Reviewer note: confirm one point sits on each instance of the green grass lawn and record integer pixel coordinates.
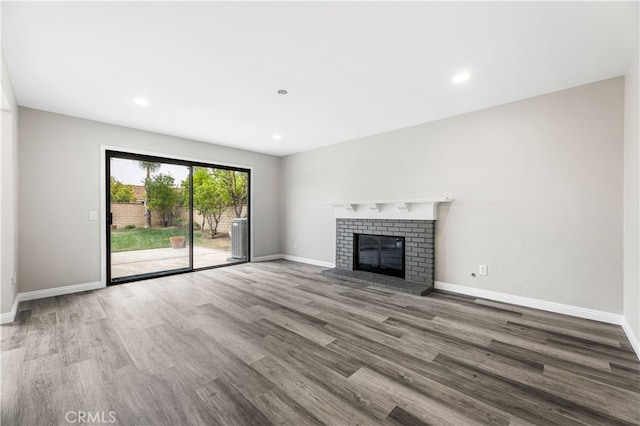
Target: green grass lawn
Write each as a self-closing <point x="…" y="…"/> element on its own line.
<point x="152" y="238"/>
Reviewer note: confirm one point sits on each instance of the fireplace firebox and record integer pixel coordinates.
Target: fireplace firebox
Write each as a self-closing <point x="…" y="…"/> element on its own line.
<point x="381" y="254"/>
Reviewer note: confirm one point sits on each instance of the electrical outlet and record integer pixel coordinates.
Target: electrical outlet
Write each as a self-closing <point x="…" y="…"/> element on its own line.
<point x="295" y="245"/>
<point x="482" y="270"/>
<point x="93" y="215"/>
<point x="14" y="279"/>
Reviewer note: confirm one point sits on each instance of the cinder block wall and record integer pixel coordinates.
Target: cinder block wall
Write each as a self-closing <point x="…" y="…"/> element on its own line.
<point x="133" y="214"/>
<point x="127" y="214"/>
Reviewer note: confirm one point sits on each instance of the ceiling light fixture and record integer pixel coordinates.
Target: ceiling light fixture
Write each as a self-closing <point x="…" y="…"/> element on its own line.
<point x="276" y="137"/>
<point x="282" y="92"/>
<point x="140" y="101"/>
<point x="460" y="78"/>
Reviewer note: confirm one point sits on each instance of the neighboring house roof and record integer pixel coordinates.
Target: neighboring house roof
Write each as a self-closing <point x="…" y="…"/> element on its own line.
<point x="139" y="192"/>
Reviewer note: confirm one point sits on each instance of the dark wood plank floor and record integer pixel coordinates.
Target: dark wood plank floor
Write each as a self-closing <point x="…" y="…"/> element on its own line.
<point x="277" y="343"/>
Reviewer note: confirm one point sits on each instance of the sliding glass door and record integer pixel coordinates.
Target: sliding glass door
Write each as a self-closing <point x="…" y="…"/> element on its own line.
<point x="170" y="216"/>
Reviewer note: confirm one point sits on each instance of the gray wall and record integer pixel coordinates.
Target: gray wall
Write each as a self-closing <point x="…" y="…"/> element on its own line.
<point x="8" y="193"/>
<point x="60" y="184"/>
<point x="537" y="187"/>
<point x="631" y="202"/>
<point x="537" y="183"/>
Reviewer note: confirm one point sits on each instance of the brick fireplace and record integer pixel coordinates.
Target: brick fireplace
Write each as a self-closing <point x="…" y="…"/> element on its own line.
<point x="411" y="223"/>
<point x="418" y="241"/>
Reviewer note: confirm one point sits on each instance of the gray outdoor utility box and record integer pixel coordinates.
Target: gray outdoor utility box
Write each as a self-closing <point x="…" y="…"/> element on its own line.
<point x="239" y="240"/>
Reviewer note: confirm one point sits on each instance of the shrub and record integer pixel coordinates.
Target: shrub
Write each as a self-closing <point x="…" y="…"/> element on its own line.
<point x="130" y="227"/>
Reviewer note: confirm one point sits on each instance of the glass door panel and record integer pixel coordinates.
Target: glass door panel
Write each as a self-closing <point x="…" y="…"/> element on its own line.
<point x="220" y="225"/>
<point x="150" y="217"/>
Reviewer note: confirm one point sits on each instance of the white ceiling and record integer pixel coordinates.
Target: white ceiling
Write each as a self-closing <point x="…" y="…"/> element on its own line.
<point x="211" y="70"/>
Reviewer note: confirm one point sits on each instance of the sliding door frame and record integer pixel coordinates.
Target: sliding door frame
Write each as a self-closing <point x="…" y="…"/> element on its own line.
<point x="107" y="153"/>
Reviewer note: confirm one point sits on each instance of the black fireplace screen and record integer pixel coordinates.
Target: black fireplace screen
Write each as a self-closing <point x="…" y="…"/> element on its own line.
<point x="380" y="254"/>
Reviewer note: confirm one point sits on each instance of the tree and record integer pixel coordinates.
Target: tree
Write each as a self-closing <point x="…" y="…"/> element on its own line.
<point x="149" y="167"/>
<point x="235" y="188"/>
<point x="208" y="198"/>
<point x="121" y="193"/>
<point x="162" y="196"/>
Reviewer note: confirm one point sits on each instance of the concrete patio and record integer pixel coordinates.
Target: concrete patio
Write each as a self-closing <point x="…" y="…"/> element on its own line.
<point x="136" y="262"/>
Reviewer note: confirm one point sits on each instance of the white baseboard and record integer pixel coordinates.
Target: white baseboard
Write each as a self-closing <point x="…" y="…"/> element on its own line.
<point x="48" y="292"/>
<point x="309" y="261"/>
<point x="295" y="259"/>
<point x="633" y="339"/>
<point x="268" y="258"/>
<point x="59" y="291"/>
<point x="544" y="305"/>
<point x="10" y="316"/>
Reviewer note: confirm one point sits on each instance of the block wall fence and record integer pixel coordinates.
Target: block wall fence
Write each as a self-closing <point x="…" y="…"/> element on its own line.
<point x="133" y="214"/>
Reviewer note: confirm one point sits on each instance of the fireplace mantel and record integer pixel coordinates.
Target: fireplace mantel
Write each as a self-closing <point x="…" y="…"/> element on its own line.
<point x="419" y="209"/>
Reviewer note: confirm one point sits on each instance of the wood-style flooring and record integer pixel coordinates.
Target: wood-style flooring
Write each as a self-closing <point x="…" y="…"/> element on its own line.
<point x="277" y="343"/>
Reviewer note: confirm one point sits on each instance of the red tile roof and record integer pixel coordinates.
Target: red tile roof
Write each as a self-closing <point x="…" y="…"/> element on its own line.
<point x="139" y="192"/>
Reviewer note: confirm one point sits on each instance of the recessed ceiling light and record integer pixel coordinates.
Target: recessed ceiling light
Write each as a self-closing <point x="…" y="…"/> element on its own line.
<point x="276" y="137"/>
<point x="140" y="101"/>
<point x="282" y="92"/>
<point x="462" y="77"/>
